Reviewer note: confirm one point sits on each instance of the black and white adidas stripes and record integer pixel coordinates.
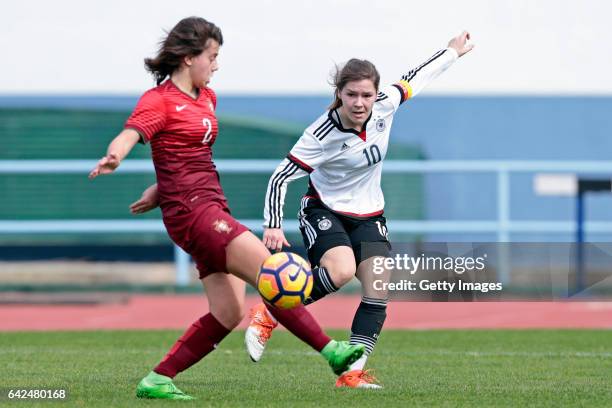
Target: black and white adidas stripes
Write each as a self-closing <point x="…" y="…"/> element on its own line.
<point x="324" y="129"/>
<point x="309" y="230"/>
<point x="277" y="188"/>
<point x="412" y="73"/>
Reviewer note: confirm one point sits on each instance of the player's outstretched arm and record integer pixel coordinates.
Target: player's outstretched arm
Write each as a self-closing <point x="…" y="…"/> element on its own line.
<point x="148" y="201"/>
<point x="418" y="78"/>
<point x="117" y="150"/>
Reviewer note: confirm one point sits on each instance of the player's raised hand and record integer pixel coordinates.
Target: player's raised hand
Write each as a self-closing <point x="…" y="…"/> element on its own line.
<point x="274" y="239"/>
<point x="460" y="43"/>
<point x="148" y="201"/>
<point x="106" y="165"/>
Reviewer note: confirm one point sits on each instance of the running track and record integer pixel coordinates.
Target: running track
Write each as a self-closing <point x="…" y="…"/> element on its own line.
<point x="177" y="312"/>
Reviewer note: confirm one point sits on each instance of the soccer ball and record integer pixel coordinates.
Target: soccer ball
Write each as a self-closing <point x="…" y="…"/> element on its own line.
<point x="285" y="280"/>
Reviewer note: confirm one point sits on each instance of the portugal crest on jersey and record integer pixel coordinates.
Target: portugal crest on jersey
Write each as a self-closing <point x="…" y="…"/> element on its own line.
<point x="221" y="226"/>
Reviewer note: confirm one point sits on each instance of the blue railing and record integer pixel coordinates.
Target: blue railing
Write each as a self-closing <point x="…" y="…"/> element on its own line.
<point x="502" y="226"/>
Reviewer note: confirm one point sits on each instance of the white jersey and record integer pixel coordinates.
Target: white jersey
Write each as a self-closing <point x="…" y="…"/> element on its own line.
<point x="345" y="165"/>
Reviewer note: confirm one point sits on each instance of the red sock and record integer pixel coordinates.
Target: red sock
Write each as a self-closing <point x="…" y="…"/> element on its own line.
<point x="300" y="322"/>
<point x="199" y="340"/>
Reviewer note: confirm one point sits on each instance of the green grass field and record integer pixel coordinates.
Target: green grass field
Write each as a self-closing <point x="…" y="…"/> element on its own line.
<point x="418" y="368"/>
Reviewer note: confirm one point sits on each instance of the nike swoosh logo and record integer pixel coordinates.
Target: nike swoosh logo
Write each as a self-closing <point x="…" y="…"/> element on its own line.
<point x="180" y="108"/>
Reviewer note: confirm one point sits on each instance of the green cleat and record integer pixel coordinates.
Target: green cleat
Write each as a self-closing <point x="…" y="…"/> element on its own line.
<point x="159" y="387"/>
<point x="340" y="355"/>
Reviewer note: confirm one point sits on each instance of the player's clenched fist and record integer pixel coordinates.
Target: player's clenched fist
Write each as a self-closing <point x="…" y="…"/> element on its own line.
<point x="460" y="43"/>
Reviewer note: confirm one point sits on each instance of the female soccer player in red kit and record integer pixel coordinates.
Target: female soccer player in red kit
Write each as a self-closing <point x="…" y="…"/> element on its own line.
<point x="178" y="118"/>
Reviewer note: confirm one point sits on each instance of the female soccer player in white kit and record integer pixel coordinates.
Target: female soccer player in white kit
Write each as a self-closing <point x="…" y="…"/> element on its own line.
<point x="342" y="153"/>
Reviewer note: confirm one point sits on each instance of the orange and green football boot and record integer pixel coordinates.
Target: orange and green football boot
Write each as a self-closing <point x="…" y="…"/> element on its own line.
<point x="157" y="386"/>
<point x="357" y="379"/>
<point x="259" y="331"/>
<point x="340" y="355"/>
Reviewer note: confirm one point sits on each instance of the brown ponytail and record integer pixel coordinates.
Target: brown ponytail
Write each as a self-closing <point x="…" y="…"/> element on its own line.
<point x="188" y="38"/>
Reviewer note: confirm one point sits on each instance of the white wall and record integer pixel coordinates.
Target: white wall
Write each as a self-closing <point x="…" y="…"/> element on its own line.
<point x="538" y="46"/>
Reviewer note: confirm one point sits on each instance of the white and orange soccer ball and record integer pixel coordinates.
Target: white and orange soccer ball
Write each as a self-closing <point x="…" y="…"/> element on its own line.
<point x="285" y="280"/>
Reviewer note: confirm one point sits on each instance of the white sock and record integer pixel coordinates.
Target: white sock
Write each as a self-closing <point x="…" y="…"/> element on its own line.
<point x="359" y="364"/>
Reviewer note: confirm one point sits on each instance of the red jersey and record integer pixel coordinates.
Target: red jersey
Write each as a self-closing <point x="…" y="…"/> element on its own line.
<point x="181" y="130"/>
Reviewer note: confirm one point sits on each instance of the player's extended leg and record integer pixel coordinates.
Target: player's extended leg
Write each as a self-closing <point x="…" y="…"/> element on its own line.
<point x="367" y="324"/>
<point x="225" y="295"/>
<point x="245" y="255"/>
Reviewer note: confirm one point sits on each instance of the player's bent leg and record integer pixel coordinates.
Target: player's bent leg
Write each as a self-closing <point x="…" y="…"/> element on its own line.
<point x="337" y="267"/>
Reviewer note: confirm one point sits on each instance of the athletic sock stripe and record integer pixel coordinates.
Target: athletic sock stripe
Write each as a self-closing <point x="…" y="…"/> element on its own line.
<point x="364" y="340"/>
<point x="376" y="299"/>
<point x="364" y="337"/>
<point x="325" y="280"/>
<point x="373" y="301"/>
<point x="379" y="304"/>
<point x="368" y="345"/>
<point x="275" y="195"/>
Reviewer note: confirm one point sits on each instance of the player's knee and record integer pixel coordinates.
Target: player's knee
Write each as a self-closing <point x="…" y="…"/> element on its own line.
<point x="229" y="315"/>
<point x="341" y="274"/>
<point x="340" y="265"/>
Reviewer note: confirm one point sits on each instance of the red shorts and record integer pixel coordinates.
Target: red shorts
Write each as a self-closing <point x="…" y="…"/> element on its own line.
<point x="204" y="233"/>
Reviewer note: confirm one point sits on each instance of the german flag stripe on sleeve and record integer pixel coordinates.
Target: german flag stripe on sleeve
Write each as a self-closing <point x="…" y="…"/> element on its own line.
<point x="405" y="90"/>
